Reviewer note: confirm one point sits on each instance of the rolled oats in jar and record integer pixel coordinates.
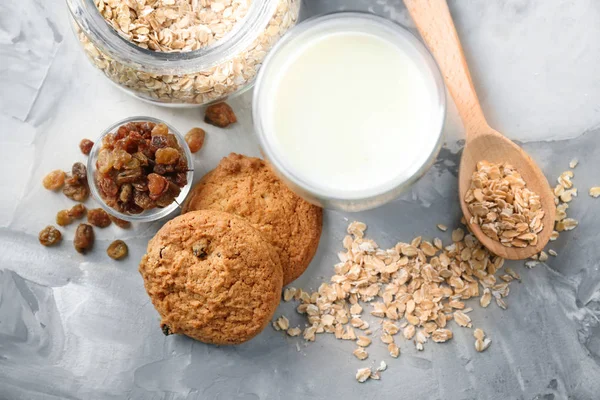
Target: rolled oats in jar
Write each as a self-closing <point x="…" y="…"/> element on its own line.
<point x="181" y="52"/>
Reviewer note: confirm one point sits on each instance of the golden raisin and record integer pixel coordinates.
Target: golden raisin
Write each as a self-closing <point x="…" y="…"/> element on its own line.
<point x="84" y="238"/>
<point x="120" y="222"/>
<point x="49" y="236"/>
<point x="195" y="139"/>
<point x="168" y="156"/>
<point x="117" y="250"/>
<point x="220" y="114"/>
<point x="157" y="185"/>
<point x="86" y="146"/>
<point x="160" y="130"/>
<point x="98" y="217"/>
<point x="63" y="218"/>
<point x="77" y="211"/>
<point x="54" y="180"/>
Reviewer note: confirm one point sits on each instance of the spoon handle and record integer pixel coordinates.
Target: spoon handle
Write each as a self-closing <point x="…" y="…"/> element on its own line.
<point x="434" y="22"/>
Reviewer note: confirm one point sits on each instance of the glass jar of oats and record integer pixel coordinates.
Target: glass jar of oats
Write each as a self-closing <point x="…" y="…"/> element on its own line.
<point x="181" y="53"/>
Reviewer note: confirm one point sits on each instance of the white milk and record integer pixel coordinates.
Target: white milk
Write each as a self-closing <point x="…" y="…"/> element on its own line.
<point x="350" y="113"/>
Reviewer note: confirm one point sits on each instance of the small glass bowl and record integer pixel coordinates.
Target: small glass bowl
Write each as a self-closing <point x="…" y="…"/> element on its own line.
<point x="147" y="215"/>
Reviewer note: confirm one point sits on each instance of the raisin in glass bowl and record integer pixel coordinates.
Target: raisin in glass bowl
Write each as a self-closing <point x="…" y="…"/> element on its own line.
<point x="114" y="206"/>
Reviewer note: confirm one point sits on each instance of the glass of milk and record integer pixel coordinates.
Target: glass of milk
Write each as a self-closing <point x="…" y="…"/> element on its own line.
<point x="349" y="109"/>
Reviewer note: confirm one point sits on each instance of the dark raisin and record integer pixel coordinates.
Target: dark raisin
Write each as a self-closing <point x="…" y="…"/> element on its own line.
<point x="86" y="146"/>
<point x="77" y="211"/>
<point x="50" y="236"/>
<point x="107" y="185"/>
<point x="159" y="142"/>
<point x="141" y="157"/>
<point x="181" y="179"/>
<point x="84" y="238"/>
<point x="128" y="176"/>
<point x="141" y="185"/>
<point x="63" y="218"/>
<point x="79" y="171"/>
<point x="98" y="217"/>
<point x="166" y="330"/>
<point x="220" y="114"/>
<point x="143" y="200"/>
<point x="117" y="250"/>
<point x="76" y="190"/>
<point x="120" y="222"/>
<point x="200" y="248"/>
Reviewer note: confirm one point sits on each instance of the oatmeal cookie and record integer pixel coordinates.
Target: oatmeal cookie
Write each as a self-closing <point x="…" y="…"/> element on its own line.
<point x="213" y="277"/>
<point x="247" y="187"/>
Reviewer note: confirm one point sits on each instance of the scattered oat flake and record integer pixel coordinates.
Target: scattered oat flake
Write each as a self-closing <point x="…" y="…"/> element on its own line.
<point x="595" y="191"/>
<point x="441" y="335"/>
<point x="289" y="293"/>
<point x="442" y="227"/>
<point x="394" y="350"/>
<point x="382" y="366"/>
<point x="363" y="374"/>
<point x="360" y="353"/>
<point x="554" y="235"/>
<point x="543" y="256"/>
<point x="479" y="334"/>
<point x="482" y="345"/>
<point x="531" y="264"/>
<point x="294" y="331"/>
<point x="363" y="341"/>
<point x="552" y="253"/>
<point x="462" y="319"/>
<point x="283" y="323"/>
<point x="573" y="163"/>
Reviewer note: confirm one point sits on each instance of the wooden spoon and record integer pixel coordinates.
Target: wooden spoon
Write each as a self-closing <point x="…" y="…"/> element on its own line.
<point x="434" y="22"/>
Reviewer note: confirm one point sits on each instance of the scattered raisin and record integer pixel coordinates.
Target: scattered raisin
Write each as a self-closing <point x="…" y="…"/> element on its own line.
<point x="77" y="211"/>
<point x="54" y="180"/>
<point x="84" y="238"/>
<point x="49" y="236"/>
<point x="63" y="218"/>
<point x="220" y="114"/>
<point x="195" y="139"/>
<point x="160" y="130"/>
<point x="129" y="176"/>
<point x="76" y="189"/>
<point x="120" y="222"/>
<point x="86" y="146"/>
<point x="79" y="170"/>
<point x="98" y="217"/>
<point x="167" y="155"/>
<point x="117" y="250"/>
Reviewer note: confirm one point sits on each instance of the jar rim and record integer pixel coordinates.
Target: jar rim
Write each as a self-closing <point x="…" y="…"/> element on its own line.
<point x="109" y="41"/>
